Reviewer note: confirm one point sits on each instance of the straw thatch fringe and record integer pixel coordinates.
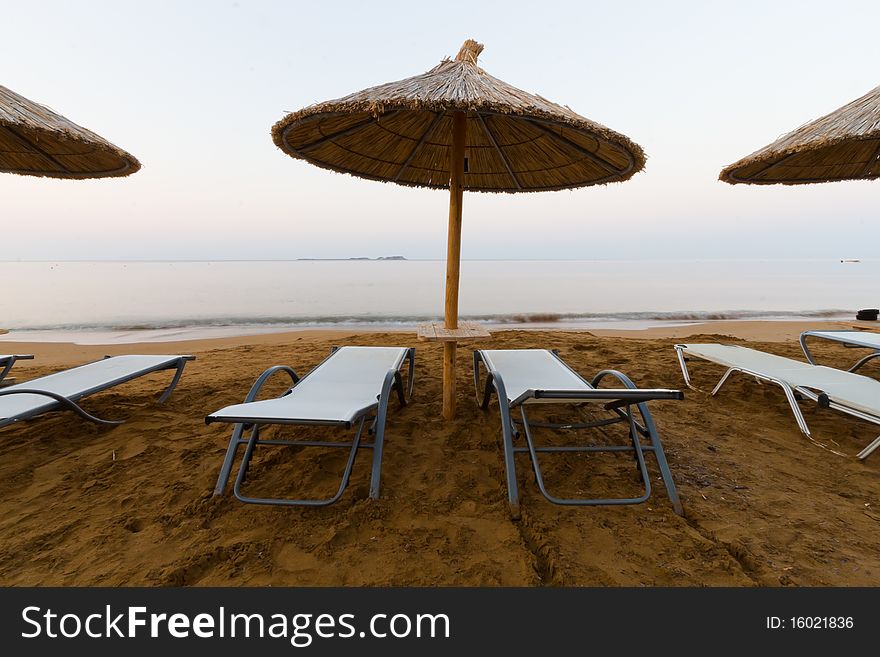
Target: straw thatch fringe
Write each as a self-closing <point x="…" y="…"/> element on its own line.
<point x="35" y="141"/>
<point x="401" y="132"/>
<point x="842" y="145"/>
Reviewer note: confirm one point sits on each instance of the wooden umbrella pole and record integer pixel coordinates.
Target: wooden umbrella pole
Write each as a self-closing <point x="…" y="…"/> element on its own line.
<point x="453" y="257"/>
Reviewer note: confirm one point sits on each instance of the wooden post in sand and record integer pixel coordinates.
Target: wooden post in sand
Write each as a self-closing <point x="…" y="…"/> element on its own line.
<point x="453" y="257"/>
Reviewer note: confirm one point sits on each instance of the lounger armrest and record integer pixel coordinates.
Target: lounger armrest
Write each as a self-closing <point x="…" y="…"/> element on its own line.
<point x="616" y="396"/>
<point x="258" y="385"/>
<point x="62" y="401"/>
<point x="652" y="395"/>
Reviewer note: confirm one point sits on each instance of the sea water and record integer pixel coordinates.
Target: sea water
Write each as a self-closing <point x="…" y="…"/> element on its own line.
<point x="203" y="299"/>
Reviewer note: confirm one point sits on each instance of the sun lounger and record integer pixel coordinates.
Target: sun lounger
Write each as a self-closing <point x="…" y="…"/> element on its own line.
<point x="523" y="377"/>
<point x="7" y="361"/>
<point x="847" y="392"/>
<point x="64" y="389"/>
<point x="350" y="388"/>
<point x="852" y="339"/>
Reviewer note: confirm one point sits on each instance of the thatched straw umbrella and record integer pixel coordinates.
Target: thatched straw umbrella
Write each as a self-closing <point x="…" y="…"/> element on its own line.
<point x="457" y="127"/>
<point x="35" y="141"/>
<point x="843" y="145"/>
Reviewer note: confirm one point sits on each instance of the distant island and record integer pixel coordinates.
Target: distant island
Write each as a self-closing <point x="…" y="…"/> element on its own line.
<point x="397" y="257"/>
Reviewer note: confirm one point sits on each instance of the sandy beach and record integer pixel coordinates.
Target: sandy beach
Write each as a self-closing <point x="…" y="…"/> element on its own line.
<point x="133" y="505"/>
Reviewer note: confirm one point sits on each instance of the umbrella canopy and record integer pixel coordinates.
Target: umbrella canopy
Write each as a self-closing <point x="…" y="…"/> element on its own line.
<point x="35" y="141"/>
<point x="843" y="145"/>
<point x="456" y="127"/>
<point x="402" y="132"/>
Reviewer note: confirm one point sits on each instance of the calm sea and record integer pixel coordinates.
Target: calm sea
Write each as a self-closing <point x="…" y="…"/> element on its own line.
<point x="129" y="301"/>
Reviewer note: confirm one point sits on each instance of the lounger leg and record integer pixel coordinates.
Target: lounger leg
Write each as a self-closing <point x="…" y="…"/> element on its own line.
<point x="684" y="369"/>
<point x="398" y="385"/>
<point x="477" y="359"/>
<point x="803" y="340"/>
<point x="13" y="359"/>
<point x="792" y="401"/>
<point x="539" y="479"/>
<point x="229" y="459"/>
<point x="662" y="464"/>
<point x="411" y="371"/>
<point x="653" y="435"/>
<point x="245" y="463"/>
<point x="510" y="466"/>
<point x="237" y="440"/>
<point x="865" y="453"/>
<point x="6" y="369"/>
<point x="637" y="449"/>
<point x="789" y="395"/>
<point x="507" y="433"/>
<point x="346" y="475"/>
<point x="376" y="472"/>
<point x="856" y="366"/>
<point x="812" y="361"/>
<point x="402" y="392"/>
<point x="246" y="466"/>
<point x="488" y="389"/>
<point x="392" y="379"/>
<point x="723" y="380"/>
<point x="485" y="394"/>
<point x="171" y="386"/>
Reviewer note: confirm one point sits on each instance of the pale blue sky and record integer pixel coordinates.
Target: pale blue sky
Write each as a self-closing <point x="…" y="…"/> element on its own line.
<point x="193" y="88"/>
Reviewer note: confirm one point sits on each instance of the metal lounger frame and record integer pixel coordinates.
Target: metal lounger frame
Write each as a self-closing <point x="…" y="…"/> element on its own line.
<point x="618" y="401"/>
<point x="70" y="402"/>
<point x="850" y="345"/>
<point x="7" y="363"/>
<point x="393" y="381"/>
<point x="791" y="394"/>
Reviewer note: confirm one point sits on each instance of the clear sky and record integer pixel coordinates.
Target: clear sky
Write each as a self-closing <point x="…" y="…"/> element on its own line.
<point x="193" y="88"/>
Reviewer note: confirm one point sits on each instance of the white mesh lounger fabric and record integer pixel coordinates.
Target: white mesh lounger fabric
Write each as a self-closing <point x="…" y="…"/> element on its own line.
<point x="350" y="386"/>
<point x="527" y="370"/>
<point x="63" y="389"/>
<point x="847" y="392"/>
<point x="523" y="377"/>
<point x="857" y="339"/>
<point x="7" y="361"/>
<point x="339" y="390"/>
